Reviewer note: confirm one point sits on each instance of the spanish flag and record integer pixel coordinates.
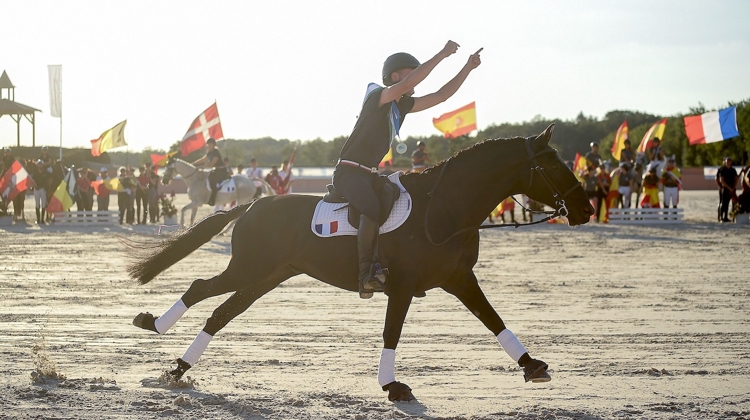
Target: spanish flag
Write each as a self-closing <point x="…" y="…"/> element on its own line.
<point x="619" y="143"/>
<point x="457" y="123"/>
<point x="110" y="139"/>
<point x="387" y="158"/>
<point x="112" y="184"/>
<point x="656" y="131"/>
<point x="579" y="164"/>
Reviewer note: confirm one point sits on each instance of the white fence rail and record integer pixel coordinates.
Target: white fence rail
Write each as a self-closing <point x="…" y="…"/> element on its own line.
<point x="646" y="216"/>
<point x="87" y="218"/>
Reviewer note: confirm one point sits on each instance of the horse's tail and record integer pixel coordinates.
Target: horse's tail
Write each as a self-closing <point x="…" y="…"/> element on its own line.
<point x="148" y="259"/>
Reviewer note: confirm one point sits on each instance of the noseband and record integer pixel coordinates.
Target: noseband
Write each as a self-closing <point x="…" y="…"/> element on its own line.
<point x="560" y="210"/>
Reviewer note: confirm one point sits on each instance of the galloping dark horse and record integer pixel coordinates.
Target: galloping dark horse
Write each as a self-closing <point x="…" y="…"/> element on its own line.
<point x="450" y="202"/>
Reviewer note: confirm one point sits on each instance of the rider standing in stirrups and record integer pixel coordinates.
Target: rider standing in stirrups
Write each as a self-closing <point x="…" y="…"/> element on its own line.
<point x="219" y="170"/>
<point x="383" y="112"/>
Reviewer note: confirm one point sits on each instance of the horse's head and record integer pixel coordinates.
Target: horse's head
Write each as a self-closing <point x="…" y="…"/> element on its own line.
<point x="553" y="183"/>
<point x="169" y="172"/>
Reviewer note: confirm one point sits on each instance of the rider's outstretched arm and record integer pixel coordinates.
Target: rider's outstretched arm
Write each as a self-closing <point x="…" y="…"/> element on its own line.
<point x="394" y="92"/>
<point x="450" y="88"/>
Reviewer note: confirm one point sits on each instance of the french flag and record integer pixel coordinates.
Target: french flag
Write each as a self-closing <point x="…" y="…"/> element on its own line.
<point x="712" y="127"/>
<point x="327" y="229"/>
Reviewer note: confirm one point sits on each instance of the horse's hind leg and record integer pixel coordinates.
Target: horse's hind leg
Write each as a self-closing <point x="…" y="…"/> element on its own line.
<point x="467" y="290"/>
<point x="199" y="290"/>
<point x="227" y="311"/>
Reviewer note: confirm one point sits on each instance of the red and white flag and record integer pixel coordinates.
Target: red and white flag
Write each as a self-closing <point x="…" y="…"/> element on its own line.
<point x="207" y="125"/>
<point x="14" y="181"/>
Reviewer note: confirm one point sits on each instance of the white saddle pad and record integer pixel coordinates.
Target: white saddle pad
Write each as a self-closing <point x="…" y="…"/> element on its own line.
<point x="227" y="186"/>
<point x="330" y="219"/>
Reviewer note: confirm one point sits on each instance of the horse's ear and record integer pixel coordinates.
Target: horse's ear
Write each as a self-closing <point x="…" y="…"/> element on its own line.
<point x="547" y="133"/>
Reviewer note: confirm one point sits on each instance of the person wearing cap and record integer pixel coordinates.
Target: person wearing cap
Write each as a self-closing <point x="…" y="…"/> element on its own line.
<point x="383" y="112"/>
<point x="46" y="158"/>
<point x="40" y="180"/>
<point x="102" y="192"/>
<point x="593" y="159"/>
<point x="6" y="161"/>
<point x="213" y="160"/>
<point x="419" y="157"/>
<point x="671" y="180"/>
<point x="726" y="179"/>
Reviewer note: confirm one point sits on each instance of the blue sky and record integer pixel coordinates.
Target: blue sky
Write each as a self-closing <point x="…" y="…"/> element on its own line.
<point x="298" y="70"/>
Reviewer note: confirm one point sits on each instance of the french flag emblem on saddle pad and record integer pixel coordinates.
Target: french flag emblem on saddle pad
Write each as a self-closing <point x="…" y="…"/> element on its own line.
<point x="227" y="186"/>
<point x="330" y="219"/>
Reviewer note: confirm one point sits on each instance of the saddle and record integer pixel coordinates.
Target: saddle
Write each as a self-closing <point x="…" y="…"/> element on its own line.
<point x="387" y="191"/>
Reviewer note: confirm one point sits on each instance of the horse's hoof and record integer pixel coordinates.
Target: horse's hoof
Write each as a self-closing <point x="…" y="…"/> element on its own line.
<point x="398" y="391"/>
<point x="182" y="367"/>
<point x="145" y="321"/>
<point x="536" y="371"/>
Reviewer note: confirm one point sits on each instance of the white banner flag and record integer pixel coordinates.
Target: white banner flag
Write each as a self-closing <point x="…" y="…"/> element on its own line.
<point x="55" y="90"/>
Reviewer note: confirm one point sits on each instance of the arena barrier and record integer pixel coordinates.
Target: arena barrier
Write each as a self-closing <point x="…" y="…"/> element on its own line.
<point x="645" y="216"/>
<point x="87" y="218"/>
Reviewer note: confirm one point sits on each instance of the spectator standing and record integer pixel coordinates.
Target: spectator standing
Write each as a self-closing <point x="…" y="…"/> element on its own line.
<point x="603" y="181"/>
<point x="152" y="195"/>
<point x="286" y="178"/>
<point x="83" y="185"/>
<point x="726" y="179"/>
<point x="40" y="180"/>
<point x="593" y="159"/>
<point x="254" y="171"/>
<point x="102" y="192"/>
<point x="141" y="193"/>
<point x="589" y="185"/>
<point x="240" y="170"/>
<point x="671" y="180"/>
<point x="124" y="197"/>
<point x="650" y="189"/>
<point x="274" y="180"/>
<point x="625" y="181"/>
<point x="419" y="157"/>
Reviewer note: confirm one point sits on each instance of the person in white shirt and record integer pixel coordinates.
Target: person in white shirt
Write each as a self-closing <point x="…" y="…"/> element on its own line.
<point x="254" y="171"/>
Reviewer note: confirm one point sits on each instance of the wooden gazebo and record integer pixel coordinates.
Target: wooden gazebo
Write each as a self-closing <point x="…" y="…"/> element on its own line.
<point x="8" y="106"/>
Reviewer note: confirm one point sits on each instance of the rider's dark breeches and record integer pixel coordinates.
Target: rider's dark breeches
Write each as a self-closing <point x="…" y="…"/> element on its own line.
<point x="355" y="185"/>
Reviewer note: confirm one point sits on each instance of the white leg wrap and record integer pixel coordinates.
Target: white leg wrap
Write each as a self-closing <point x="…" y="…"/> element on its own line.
<point x="166" y="321"/>
<point x="387" y="369"/>
<point x="510" y="344"/>
<point x="195" y="351"/>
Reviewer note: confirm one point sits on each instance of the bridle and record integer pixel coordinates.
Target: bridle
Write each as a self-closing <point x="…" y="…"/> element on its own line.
<point x="561" y="210"/>
<point x="171" y="166"/>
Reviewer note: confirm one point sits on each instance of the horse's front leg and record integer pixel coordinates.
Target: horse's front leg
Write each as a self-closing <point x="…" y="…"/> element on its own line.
<point x="467" y="290"/>
<point x="398" y="306"/>
<point x="189" y="206"/>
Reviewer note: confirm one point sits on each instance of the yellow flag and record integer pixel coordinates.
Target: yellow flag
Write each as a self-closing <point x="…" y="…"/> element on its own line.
<point x="387" y="158"/>
<point x="619" y="143"/>
<point x="114" y="137"/>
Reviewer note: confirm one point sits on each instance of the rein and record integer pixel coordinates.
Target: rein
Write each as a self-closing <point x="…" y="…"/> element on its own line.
<point x="561" y="209"/>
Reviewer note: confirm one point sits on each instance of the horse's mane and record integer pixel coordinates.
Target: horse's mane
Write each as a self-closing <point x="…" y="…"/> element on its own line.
<point x="470" y="152"/>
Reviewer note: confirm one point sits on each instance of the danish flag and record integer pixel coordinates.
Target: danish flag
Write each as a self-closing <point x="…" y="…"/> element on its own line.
<point x="207" y="125"/>
<point x="14" y="181"/>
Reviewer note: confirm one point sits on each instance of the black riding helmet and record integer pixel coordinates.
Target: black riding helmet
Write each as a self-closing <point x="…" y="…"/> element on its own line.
<point x="397" y="62"/>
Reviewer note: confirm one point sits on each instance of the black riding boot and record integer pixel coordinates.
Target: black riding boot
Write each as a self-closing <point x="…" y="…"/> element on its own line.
<point x="44" y="215"/>
<point x="38" y="220"/>
<point x="212" y="199"/>
<point x="366" y="238"/>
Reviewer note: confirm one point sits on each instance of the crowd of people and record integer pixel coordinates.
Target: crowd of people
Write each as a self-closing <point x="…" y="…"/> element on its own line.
<point x="642" y="174"/>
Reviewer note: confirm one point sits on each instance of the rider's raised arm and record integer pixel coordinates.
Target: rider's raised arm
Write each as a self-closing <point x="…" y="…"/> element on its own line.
<point x="450" y="88"/>
<point x="416" y="76"/>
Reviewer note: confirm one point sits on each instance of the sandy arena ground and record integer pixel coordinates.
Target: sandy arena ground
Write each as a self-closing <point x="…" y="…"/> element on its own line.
<point x="635" y="322"/>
